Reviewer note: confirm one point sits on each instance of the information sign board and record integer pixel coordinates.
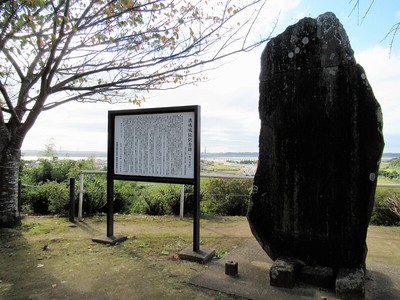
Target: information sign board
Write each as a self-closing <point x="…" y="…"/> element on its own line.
<point x="160" y="145"/>
<point x="157" y="143"/>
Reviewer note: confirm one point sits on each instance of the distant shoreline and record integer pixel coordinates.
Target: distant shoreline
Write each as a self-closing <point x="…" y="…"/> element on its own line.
<point x="37" y="153"/>
<point x="103" y="154"/>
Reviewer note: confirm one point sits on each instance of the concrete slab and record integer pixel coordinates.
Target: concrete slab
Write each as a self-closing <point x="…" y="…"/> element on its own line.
<point x="252" y="280"/>
<point x="111" y="240"/>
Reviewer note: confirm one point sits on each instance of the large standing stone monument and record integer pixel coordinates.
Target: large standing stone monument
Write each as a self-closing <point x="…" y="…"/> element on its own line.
<point x="320" y="147"/>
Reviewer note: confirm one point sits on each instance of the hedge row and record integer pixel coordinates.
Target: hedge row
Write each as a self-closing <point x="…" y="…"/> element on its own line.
<point x="45" y="190"/>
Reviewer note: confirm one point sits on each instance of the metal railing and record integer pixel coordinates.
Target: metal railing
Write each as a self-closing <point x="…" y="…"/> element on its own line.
<point x="82" y="173"/>
<point x="81" y="189"/>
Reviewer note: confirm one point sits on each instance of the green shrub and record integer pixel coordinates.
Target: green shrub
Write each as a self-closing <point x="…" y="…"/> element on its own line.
<point x="171" y="196"/>
<point x="125" y="196"/>
<point x="175" y="200"/>
<point x="165" y="200"/>
<point x="229" y="197"/>
<point x="156" y="205"/>
<point x="382" y="193"/>
<point x="46" y="191"/>
<point x="95" y="195"/>
<point x="34" y="199"/>
<point x="49" y="197"/>
<point x="58" y="197"/>
<point x="82" y="164"/>
<point x="41" y="171"/>
<point x="386" y="212"/>
<point x="391" y="174"/>
<point x="59" y="170"/>
<point x="395" y="163"/>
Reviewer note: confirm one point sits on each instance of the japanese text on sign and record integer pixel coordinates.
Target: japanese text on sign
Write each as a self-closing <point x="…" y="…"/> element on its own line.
<point x="157" y="145"/>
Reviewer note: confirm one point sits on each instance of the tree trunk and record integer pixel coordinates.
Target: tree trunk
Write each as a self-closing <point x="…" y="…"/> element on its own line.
<point x="9" y="173"/>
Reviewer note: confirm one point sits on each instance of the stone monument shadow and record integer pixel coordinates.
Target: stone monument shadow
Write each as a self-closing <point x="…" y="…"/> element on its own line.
<point x="381" y="286"/>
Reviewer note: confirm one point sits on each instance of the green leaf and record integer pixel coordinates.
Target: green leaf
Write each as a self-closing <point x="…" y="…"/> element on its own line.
<point x="221" y="254"/>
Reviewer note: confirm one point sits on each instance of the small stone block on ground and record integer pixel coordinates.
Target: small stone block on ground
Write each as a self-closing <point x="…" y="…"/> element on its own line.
<point x="350" y="283"/>
<point x="202" y="256"/>
<point x="231" y="268"/>
<point x="283" y="273"/>
<point x="110" y="240"/>
<point x="318" y="276"/>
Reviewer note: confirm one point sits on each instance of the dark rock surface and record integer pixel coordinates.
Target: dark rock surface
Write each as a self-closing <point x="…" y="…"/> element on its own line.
<point x="284" y="272"/>
<point x="320" y="146"/>
<point x="318" y="276"/>
<point x="350" y="284"/>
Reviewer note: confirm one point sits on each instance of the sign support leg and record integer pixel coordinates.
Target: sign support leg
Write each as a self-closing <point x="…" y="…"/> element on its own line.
<point x="196" y="216"/>
<point x="110" y="238"/>
<point x="110" y="207"/>
<point x="182" y="202"/>
<point x="197" y="253"/>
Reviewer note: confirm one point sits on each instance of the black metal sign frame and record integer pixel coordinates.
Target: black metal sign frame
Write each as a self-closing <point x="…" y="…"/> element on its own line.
<point x="194" y="179"/>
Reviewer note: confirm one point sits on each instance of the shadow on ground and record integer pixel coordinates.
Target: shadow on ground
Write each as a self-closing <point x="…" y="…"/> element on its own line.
<point x="24" y="270"/>
<point x="50" y="258"/>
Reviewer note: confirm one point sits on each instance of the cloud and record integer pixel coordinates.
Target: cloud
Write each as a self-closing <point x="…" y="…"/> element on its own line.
<point x="229" y="105"/>
<point x="229" y="102"/>
<point x="383" y="72"/>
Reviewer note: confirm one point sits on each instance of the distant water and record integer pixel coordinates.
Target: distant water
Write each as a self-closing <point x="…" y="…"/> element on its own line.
<point x="230" y="154"/>
<point x="231" y="158"/>
<point x="34" y="154"/>
<point x="76" y="155"/>
<point x="390" y="156"/>
<point x="61" y="157"/>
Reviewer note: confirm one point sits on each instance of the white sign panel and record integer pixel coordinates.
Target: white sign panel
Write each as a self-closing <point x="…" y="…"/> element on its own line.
<point x="155" y="145"/>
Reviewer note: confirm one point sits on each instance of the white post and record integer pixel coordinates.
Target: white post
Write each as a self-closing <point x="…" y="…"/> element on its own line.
<point x="181" y="209"/>
<point x="80" y="196"/>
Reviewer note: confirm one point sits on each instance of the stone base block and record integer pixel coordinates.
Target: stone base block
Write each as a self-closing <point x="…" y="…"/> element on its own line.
<point x="350" y="283"/>
<point x="202" y="256"/>
<point x="231" y="268"/>
<point x="318" y="276"/>
<point x="110" y="240"/>
<point x="284" y="272"/>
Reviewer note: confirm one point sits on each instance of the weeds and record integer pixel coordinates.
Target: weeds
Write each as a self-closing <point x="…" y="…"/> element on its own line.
<point x="387" y="212"/>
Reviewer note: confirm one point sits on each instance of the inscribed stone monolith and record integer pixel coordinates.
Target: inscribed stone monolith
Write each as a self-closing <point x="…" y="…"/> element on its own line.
<point x="320" y="146"/>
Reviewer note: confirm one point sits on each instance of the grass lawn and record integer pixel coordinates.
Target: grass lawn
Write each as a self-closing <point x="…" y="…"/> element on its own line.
<point x="50" y="258"/>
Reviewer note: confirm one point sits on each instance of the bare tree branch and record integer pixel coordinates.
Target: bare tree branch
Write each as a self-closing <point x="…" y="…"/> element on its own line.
<point x="7" y="99"/>
<point x="55" y="52"/>
<point x="393" y="31"/>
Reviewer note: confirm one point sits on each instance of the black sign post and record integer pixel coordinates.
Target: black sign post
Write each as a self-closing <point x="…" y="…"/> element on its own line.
<point x="156" y="145"/>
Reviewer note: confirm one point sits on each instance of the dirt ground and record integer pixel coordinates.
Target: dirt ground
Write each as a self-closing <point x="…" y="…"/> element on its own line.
<point x="51" y="258"/>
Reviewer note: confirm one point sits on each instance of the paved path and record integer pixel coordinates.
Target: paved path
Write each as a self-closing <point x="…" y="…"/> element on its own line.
<point x="252" y="282"/>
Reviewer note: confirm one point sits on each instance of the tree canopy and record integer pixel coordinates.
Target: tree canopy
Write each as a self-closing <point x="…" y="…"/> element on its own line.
<point x="53" y="52"/>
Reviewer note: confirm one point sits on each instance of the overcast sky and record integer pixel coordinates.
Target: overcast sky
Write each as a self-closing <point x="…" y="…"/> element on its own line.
<point x="229" y="99"/>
